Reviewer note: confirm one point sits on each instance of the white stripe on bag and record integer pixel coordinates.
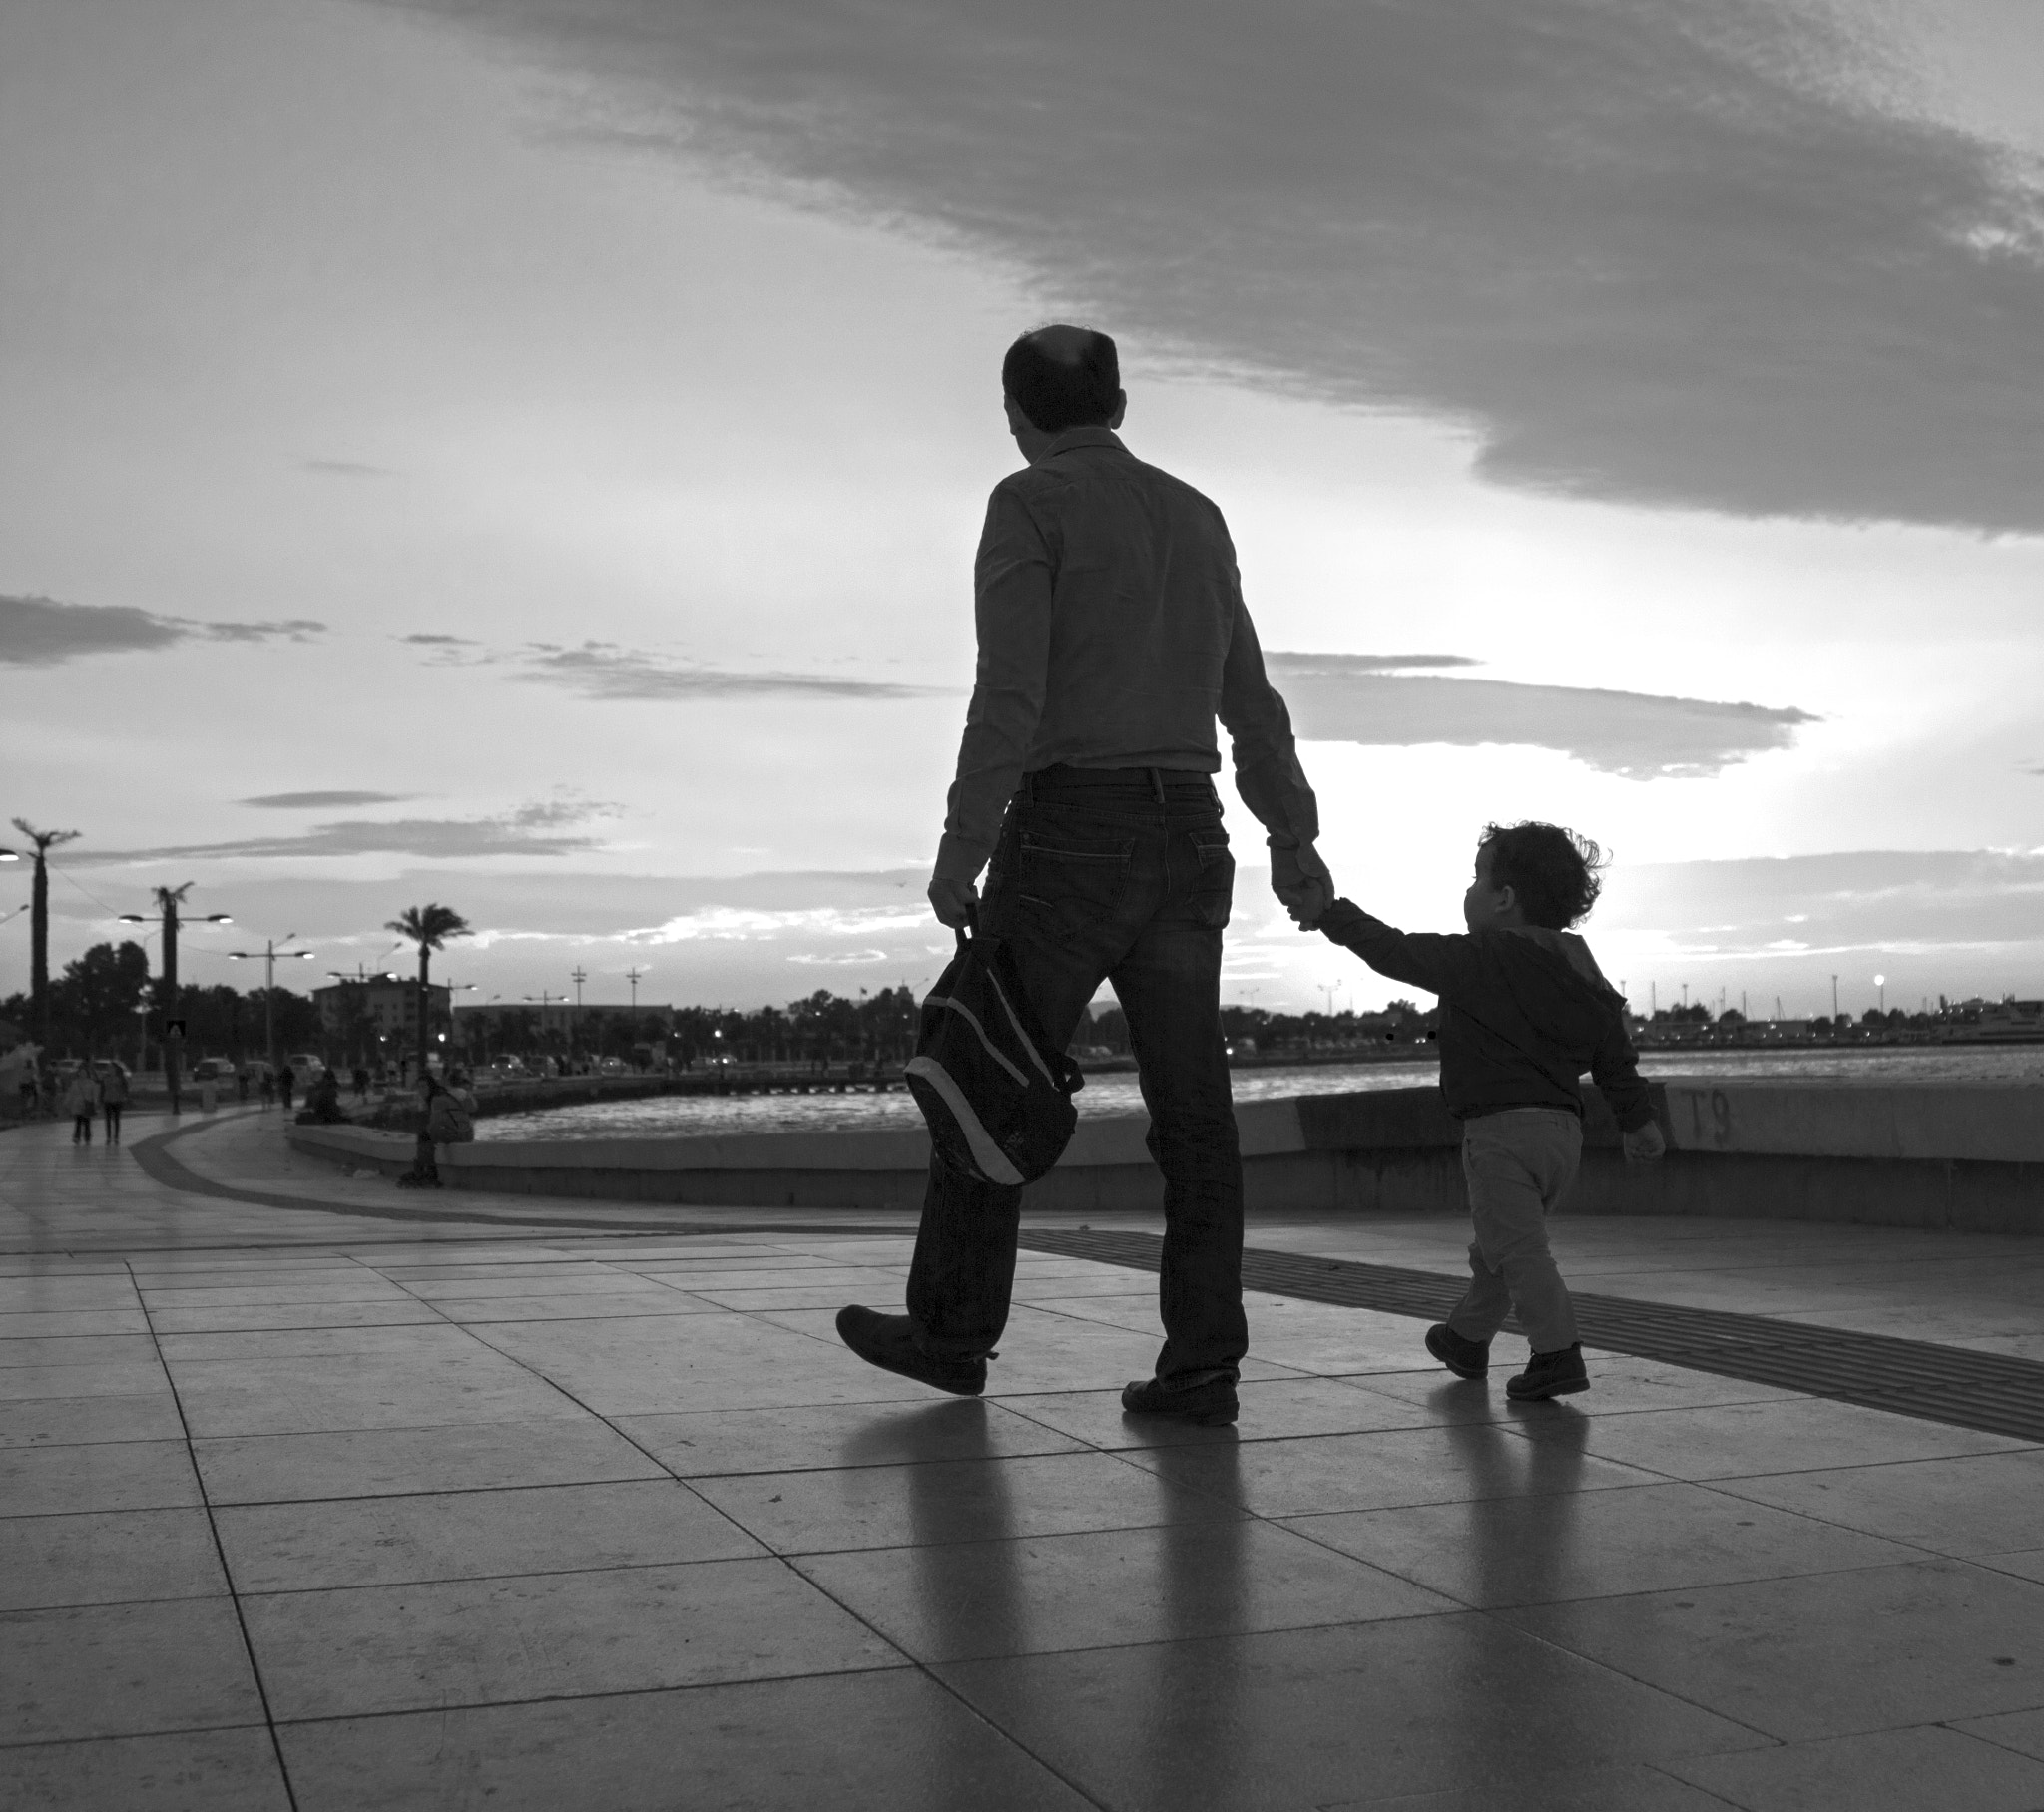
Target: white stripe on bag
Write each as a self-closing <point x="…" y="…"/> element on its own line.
<point x="992" y="1160"/>
<point x="973" y="1019"/>
<point x="1027" y="1042"/>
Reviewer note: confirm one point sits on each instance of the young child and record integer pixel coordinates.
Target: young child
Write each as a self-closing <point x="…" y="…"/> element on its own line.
<point x="1524" y="1011"/>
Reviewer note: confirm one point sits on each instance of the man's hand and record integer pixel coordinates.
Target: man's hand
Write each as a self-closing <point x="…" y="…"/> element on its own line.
<point x="955" y="902"/>
<point x="1643" y="1144"/>
<point x="1300" y="879"/>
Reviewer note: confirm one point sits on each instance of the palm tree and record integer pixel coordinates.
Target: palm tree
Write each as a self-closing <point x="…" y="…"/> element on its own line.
<point x="429" y="927"/>
<point x="39" y="923"/>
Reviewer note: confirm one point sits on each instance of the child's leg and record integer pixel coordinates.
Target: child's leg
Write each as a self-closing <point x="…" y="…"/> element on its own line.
<point x="1517" y="1163"/>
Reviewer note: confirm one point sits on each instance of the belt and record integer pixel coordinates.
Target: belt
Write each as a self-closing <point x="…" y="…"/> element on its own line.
<point x="1158" y="784"/>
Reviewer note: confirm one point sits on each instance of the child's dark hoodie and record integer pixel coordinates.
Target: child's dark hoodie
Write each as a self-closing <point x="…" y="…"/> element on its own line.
<point x="1523" y="1013"/>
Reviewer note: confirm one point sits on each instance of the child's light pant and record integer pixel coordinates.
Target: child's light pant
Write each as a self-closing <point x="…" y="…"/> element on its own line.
<point x="1517" y="1163"/>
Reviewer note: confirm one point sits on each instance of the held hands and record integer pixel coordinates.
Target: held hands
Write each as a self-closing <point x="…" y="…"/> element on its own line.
<point x="955" y="902"/>
<point x="1644" y="1144"/>
<point x="1300" y="880"/>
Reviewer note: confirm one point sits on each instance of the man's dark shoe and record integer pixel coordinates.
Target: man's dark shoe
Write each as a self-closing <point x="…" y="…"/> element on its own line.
<point x="1210" y="1404"/>
<point x="1550" y="1375"/>
<point x="1466" y="1358"/>
<point x="889" y="1341"/>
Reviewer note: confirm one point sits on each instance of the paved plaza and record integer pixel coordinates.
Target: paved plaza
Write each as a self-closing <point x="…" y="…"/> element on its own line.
<point x="324" y="1495"/>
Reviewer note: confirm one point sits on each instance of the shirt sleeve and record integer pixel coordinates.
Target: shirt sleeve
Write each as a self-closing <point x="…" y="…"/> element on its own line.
<point x="1434" y="961"/>
<point x="1266" y="770"/>
<point x="1013" y="579"/>
<point x="1615" y="1068"/>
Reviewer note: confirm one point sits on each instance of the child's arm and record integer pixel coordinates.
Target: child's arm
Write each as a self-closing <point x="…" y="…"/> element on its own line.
<point x="1615" y="1068"/>
<point x="1428" y="960"/>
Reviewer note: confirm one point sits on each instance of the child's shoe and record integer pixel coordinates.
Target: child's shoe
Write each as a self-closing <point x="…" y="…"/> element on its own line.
<point x="1466" y="1358"/>
<point x="1550" y="1375"/>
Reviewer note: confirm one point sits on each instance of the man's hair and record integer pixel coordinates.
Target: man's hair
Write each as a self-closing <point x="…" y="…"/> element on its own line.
<point x="1063" y="377"/>
<point x="1552" y="870"/>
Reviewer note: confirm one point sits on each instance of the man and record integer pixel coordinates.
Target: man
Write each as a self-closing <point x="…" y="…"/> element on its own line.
<point x="1111" y="630"/>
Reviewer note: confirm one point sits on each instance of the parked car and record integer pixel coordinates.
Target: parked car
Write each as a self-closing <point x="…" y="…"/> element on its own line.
<point x="305" y="1069"/>
<point x="219" y="1069"/>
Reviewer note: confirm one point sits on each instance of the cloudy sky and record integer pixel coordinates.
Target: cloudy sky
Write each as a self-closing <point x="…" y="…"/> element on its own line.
<point x="528" y="455"/>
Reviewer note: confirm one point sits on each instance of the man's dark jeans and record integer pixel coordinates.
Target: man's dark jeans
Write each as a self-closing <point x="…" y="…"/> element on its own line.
<point x="1123" y="876"/>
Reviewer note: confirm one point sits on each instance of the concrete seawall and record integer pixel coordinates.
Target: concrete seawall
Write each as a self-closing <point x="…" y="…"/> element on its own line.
<point x="1965" y="1155"/>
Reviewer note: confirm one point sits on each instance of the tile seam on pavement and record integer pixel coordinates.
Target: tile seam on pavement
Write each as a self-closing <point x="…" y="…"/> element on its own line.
<point x="219" y="1555"/>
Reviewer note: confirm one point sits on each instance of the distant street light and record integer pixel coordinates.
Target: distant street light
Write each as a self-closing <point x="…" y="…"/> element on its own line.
<point x="167" y="900"/>
<point x="1882" y="982"/>
<point x="270" y="950"/>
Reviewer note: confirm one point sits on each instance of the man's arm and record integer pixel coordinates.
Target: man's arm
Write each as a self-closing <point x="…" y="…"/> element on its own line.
<point x="1013" y="578"/>
<point x="1434" y="961"/>
<point x="1267" y="770"/>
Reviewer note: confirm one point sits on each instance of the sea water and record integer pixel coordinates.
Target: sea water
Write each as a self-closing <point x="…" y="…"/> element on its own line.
<point x="1115" y="1092"/>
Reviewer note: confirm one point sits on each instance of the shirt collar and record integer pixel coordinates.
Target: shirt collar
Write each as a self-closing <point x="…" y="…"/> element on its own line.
<point x="1083" y="437"/>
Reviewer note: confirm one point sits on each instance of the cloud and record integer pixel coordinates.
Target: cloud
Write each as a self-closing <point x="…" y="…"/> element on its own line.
<point x="1340" y="698"/>
<point x="42" y="631"/>
<point x="1640" y="250"/>
<point x="604" y="671"/>
<point x="535" y="829"/>
<point x="322" y="802"/>
<point x="1363" y="663"/>
<point x="344" y="467"/>
<point x="433" y="640"/>
<point x="1855" y="900"/>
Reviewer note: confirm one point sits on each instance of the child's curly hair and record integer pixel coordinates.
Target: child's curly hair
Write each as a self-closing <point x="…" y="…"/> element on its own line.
<point x="1552" y="870"/>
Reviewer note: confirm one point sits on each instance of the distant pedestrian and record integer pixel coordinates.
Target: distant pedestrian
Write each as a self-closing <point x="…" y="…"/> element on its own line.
<point x="448" y="1122"/>
<point x="1524" y="1011"/>
<point x="287" y="1080"/>
<point x="268" y="1088"/>
<point x="29" y="1090"/>
<point x="323" y="1100"/>
<point x="241" y="1084"/>
<point x="79" y="1102"/>
<point x="113" y="1098"/>
<point x="362" y="1082"/>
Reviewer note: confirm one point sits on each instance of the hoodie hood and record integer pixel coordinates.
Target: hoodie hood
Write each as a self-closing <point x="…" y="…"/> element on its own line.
<point x="1555" y="982"/>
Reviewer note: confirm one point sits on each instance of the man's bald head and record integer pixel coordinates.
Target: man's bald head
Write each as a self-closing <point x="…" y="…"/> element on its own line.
<point x="1063" y="377"/>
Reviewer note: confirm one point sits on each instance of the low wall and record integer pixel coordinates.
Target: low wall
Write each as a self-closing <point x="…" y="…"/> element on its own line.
<point x="1968" y="1155"/>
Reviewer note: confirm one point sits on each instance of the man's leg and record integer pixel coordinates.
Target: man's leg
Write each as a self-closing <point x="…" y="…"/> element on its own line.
<point x="1170" y="988"/>
<point x="1517" y="1164"/>
<point x="963" y="1273"/>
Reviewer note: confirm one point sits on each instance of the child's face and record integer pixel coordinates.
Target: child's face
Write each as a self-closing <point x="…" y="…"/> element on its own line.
<point x="1486" y="905"/>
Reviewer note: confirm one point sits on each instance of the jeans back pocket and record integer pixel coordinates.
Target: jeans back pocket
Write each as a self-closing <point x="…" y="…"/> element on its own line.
<point x="1073" y="878"/>
<point x="1212" y="890"/>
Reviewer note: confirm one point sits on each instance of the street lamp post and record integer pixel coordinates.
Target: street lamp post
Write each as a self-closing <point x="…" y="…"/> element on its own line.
<point x="167" y="900"/>
<point x="270" y="950"/>
<point x="41" y="843"/>
<point x="1882" y="982"/>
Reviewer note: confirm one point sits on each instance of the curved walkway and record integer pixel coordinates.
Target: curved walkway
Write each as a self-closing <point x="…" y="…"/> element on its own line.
<point x="308" y="1507"/>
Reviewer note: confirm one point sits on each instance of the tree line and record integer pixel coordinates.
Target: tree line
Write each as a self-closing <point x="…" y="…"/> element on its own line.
<point x="94" y="1003"/>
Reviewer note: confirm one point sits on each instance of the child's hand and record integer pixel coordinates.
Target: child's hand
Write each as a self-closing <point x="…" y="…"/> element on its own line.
<point x="1644" y="1144"/>
<point x="1300" y="880"/>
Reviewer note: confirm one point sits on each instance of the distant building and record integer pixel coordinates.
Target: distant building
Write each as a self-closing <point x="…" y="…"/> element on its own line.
<point x="381" y="1008"/>
<point x="582" y="1026"/>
